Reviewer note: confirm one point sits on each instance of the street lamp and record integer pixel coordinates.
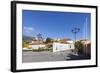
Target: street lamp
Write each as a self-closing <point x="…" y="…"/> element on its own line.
<point x="75" y="31"/>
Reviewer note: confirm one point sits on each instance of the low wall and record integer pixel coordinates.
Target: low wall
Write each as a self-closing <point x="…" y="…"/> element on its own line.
<point x="37" y="46"/>
<point x="61" y="47"/>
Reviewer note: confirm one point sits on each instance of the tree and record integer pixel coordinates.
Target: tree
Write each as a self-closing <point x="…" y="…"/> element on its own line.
<point x="79" y="47"/>
<point x="25" y="44"/>
<point x="48" y="40"/>
<point x="39" y="36"/>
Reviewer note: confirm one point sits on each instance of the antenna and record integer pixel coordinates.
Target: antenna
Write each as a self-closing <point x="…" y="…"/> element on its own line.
<point x="86" y="35"/>
<point x="85" y="30"/>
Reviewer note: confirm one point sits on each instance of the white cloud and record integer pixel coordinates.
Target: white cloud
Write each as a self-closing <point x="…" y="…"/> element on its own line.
<point x="28" y="31"/>
<point x="28" y="28"/>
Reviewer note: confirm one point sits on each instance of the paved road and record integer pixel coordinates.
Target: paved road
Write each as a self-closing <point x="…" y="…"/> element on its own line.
<point x="44" y="56"/>
<point x="50" y="56"/>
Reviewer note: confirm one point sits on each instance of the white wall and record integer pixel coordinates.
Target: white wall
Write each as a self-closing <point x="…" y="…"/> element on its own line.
<point x="61" y="47"/>
<point x="37" y="46"/>
<point x="5" y="37"/>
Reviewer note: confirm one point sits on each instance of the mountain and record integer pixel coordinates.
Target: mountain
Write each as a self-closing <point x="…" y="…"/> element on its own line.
<point x="27" y="38"/>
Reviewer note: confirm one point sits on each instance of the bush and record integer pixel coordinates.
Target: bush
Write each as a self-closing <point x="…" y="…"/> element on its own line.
<point x="79" y="47"/>
<point x="42" y="49"/>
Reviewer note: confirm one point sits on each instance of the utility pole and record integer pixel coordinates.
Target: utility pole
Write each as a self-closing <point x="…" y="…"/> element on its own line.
<point x="75" y="31"/>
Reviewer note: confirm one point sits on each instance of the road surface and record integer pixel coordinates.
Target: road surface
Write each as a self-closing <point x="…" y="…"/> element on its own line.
<point x="30" y="56"/>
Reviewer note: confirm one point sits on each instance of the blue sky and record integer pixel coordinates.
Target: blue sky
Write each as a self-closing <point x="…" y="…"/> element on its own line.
<point x="55" y="24"/>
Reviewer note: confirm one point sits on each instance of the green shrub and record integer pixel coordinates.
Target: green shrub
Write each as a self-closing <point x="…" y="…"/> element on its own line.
<point x="79" y="47"/>
<point x="42" y="49"/>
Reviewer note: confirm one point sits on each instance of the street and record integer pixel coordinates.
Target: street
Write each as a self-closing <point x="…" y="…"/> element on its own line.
<point x="30" y="56"/>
